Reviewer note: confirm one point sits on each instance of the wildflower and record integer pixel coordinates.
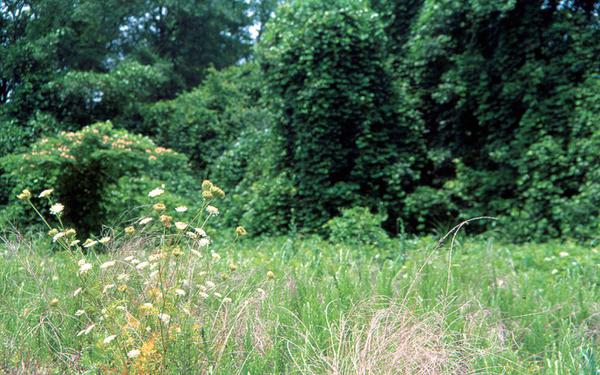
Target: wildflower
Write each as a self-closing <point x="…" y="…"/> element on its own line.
<point x="165" y="318"/>
<point x="108" y="339"/>
<point x="58" y="236"/>
<point x="196" y="253"/>
<point x="207" y="185"/>
<point x="84" y="268"/>
<point x="123" y="277"/>
<point x="192" y="235"/>
<point x="128" y="259"/>
<point x="56" y="209"/>
<point x="52" y="232"/>
<point x="134" y="261"/>
<point x="207" y="194"/>
<point x="217" y="192"/>
<point x="181" y="208"/>
<point x="204" y="242"/>
<point x="155" y="293"/>
<point x="563" y="254"/>
<point x="210" y="284"/>
<point x="142" y="265"/>
<point x="79" y="312"/>
<point x="227" y="300"/>
<point x="133" y="353"/>
<point x="129" y="230"/>
<point x="212" y="210"/>
<point x="240" y="231"/>
<point x="180" y="225"/>
<point x="107" y="264"/>
<point x="145" y="220"/>
<point x="203" y="295"/>
<point x="154" y="257"/>
<point x="218" y="295"/>
<point x="54" y="302"/>
<point x="180" y="292"/>
<point x="270" y="275"/>
<point x="74" y="243"/>
<point x="104" y="240"/>
<point x="89" y="243"/>
<point x="147" y="308"/>
<point x="70" y="232"/>
<point x="554" y="271"/>
<point x="76" y="292"/>
<point x="232" y="267"/>
<point x="156" y="192"/>
<point x="166" y="220"/>
<point x="177" y="251"/>
<point x="216" y="257"/>
<point x="159" y="207"/>
<point x="200" y="232"/>
<point x="25" y="195"/>
<point x="122" y="287"/>
<point x="87" y="330"/>
<point x="107" y="287"/>
<point x="46" y="193"/>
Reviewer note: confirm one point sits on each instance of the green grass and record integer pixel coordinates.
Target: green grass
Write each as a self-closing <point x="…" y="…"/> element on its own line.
<point x="485" y="307"/>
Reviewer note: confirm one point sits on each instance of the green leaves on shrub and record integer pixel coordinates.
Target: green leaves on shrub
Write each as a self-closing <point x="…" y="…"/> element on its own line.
<point x="342" y="139"/>
<point x="96" y="173"/>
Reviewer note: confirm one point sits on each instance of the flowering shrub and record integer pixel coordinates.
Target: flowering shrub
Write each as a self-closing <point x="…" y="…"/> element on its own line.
<point x="95" y="172"/>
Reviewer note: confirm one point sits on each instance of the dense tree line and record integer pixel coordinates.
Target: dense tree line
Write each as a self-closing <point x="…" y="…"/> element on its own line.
<point x="426" y="111"/>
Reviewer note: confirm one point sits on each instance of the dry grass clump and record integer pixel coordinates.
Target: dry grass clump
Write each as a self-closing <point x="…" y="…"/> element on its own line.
<point x="381" y="337"/>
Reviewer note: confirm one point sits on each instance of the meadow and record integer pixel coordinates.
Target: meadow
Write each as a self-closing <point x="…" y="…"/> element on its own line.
<point x="164" y="295"/>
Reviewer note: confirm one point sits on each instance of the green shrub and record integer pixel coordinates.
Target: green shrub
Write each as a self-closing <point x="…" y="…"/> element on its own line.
<point x="204" y="122"/>
<point x="357" y="226"/>
<point x="343" y="140"/>
<point x="95" y="172"/>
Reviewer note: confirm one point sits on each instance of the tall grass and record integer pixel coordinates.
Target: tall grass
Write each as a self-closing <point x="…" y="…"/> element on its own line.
<point x="295" y="305"/>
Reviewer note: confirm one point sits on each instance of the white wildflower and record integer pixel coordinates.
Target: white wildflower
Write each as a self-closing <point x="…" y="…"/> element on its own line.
<point x="107" y="264"/>
<point x="108" y="339"/>
<point x="165" y="318"/>
<point x="145" y="220"/>
<point x="156" y="192"/>
<point x="58" y="236"/>
<point x="56" y="209"/>
<point x="46" y="193"/>
<point x="107" y="287"/>
<point x="212" y="210"/>
<point x="85" y="268"/>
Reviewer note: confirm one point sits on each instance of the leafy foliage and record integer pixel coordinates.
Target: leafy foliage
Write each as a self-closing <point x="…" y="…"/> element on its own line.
<point x="357" y="226"/>
<point x="343" y="141"/>
<point x="94" y="172"/>
<point x="204" y="122"/>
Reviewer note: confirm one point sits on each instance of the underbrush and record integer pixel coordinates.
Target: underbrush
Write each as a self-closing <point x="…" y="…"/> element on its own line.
<point x="167" y="294"/>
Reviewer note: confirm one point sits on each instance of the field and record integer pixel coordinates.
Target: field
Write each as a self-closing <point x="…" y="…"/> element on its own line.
<point x="300" y="305"/>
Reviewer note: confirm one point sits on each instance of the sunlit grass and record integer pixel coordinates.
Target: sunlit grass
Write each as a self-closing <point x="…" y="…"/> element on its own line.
<point x="170" y="295"/>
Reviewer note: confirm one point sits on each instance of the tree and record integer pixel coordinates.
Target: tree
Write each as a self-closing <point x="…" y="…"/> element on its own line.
<point x="343" y="140"/>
